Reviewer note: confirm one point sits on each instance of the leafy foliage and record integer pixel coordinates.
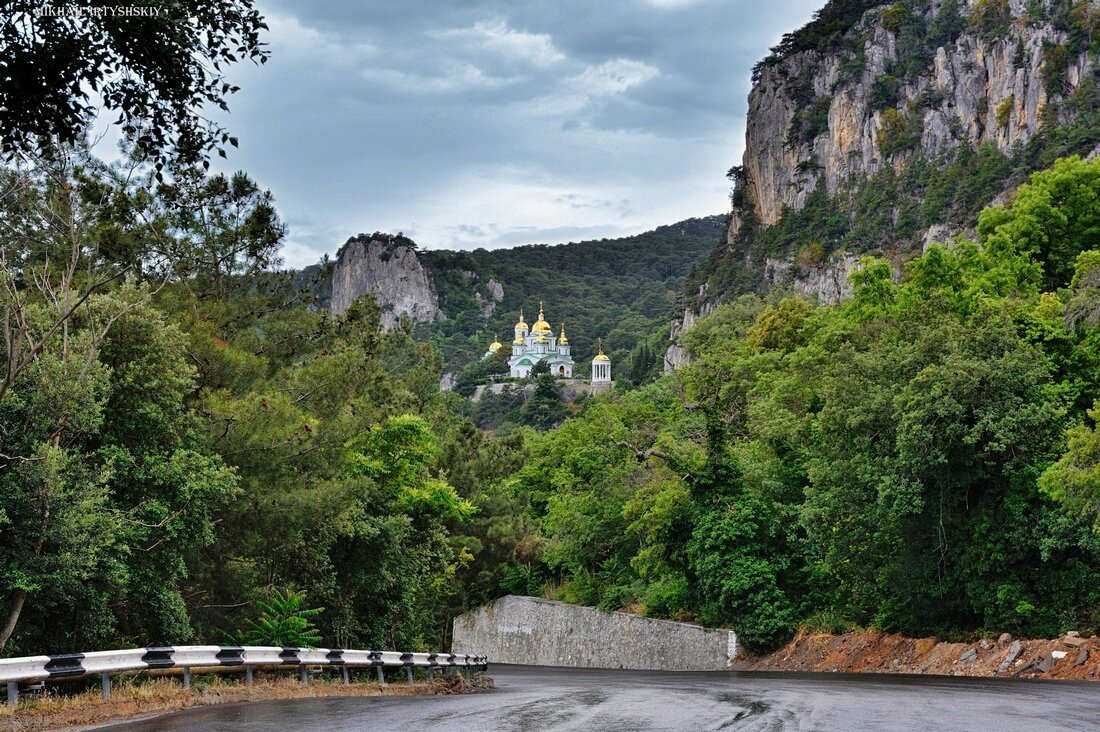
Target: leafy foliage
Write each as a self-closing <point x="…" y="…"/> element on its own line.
<point x="157" y="69"/>
<point x="283" y="621"/>
<point x="892" y="462"/>
<point x="828" y="28"/>
<point x="620" y="290"/>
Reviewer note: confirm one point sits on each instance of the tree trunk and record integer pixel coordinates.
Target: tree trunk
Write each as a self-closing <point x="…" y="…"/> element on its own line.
<point x="17" y="599"/>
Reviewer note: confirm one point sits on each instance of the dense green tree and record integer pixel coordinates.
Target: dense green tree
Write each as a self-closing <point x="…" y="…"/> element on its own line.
<point x="230" y="225"/>
<point x="544" y="408"/>
<point x="157" y="65"/>
<point x="1075" y="478"/>
<point x="107" y="484"/>
<point x="1054" y="217"/>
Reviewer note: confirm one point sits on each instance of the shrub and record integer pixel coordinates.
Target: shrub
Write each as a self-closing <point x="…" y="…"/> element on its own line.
<point x="991" y="19"/>
<point x="809" y="122"/>
<point x="885" y="93"/>
<point x="1055" y="65"/>
<point x="1004" y="111"/>
<point x="894" y="16"/>
<point x="896" y="133"/>
<point x="283" y="622"/>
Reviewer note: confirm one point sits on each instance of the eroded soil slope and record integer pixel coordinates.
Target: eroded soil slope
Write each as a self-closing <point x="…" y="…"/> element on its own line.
<point x="1069" y="657"/>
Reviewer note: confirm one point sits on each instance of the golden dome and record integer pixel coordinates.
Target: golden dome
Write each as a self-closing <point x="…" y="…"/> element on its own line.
<point x="541" y="326"/>
<point x="521" y="324"/>
<point x="563" y="339"/>
<point x="495" y="346"/>
<point x="601" y="357"/>
<point x="518" y="341"/>
<point x="541" y="339"/>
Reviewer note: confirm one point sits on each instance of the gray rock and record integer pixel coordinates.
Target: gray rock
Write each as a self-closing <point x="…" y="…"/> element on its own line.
<point x="970" y="656"/>
<point x="1072" y="634"/>
<point x="982" y="96"/>
<point x="973" y="92"/>
<point x="389" y="268"/>
<point x="1005" y="638"/>
<point x="1073" y="642"/>
<point x="1082" y="657"/>
<point x="1012" y="654"/>
<point x="1043" y="663"/>
<point x="985" y="644"/>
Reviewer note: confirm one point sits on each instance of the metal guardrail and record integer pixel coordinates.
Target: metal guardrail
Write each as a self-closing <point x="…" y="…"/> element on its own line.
<point x="15" y="671"/>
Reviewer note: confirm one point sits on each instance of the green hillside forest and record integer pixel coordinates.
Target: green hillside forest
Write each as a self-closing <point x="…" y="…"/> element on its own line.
<point x="619" y="290"/>
<point x="179" y="443"/>
<point x="190" y="451"/>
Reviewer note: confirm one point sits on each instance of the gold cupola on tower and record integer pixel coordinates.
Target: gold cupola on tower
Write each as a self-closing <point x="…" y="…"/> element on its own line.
<point x="541" y="326"/>
<point x="562" y="339"/>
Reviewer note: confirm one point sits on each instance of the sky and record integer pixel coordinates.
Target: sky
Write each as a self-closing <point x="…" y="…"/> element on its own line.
<point x="492" y="123"/>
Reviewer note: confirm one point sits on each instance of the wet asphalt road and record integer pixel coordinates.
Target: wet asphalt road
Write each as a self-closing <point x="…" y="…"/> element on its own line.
<point x="527" y="699"/>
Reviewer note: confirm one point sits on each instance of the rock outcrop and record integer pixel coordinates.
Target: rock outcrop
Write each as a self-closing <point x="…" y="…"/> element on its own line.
<point x="977" y="88"/>
<point x="389" y="267"/>
<point x="905" y="82"/>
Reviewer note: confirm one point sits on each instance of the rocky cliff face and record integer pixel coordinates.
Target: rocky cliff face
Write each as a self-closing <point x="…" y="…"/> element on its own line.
<point x="388" y="266"/>
<point x="873" y="89"/>
<point x="982" y="86"/>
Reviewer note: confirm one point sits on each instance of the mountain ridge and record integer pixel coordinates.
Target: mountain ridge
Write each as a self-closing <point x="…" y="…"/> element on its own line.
<point x="885" y="127"/>
<point x="620" y="290"/>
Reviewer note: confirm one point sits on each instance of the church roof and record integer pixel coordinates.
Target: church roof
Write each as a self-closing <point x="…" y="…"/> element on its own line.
<point x="541" y="326"/>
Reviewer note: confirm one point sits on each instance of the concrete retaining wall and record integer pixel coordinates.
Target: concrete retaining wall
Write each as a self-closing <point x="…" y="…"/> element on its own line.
<point x="529" y="630"/>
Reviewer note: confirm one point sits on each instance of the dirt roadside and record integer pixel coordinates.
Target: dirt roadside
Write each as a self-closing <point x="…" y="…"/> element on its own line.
<point x="89" y="710"/>
<point x="1068" y="657"/>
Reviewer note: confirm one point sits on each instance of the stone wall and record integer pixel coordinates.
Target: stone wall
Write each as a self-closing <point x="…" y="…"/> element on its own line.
<point x="571" y="389"/>
<point x="529" y="630"/>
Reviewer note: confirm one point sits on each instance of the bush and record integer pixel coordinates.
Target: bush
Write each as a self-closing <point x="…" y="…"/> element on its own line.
<point x="809" y="122"/>
<point x="1004" y="111"/>
<point x="991" y="19"/>
<point x="896" y="133"/>
<point x="893" y="16"/>
<point x="1055" y="66"/>
<point x="885" y="93"/>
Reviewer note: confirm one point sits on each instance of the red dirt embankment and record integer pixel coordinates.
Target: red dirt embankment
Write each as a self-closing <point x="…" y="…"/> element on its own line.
<point x="1068" y="657"/>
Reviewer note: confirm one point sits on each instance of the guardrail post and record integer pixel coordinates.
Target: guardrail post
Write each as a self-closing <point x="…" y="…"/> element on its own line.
<point x="409" y="673"/>
<point x="303" y="675"/>
<point x="344" y="673"/>
<point x="187" y="677"/>
<point x="381" y="676"/>
<point x="13" y="694"/>
<point x="105" y="682"/>
<point x="429" y="674"/>
<point x="248" y="675"/>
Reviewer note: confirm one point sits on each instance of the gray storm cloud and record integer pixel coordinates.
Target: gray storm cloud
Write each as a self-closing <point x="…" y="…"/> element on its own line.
<point x="498" y="123"/>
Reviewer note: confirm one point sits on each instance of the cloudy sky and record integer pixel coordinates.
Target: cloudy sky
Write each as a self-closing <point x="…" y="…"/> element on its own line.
<point x="489" y="123"/>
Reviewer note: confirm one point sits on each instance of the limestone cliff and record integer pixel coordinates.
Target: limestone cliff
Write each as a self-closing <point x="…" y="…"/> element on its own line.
<point x="880" y="127"/>
<point x="981" y="86"/>
<point x="388" y="266"/>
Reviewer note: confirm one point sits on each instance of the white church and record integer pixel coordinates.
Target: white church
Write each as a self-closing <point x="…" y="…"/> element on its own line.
<point x="540" y="344"/>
